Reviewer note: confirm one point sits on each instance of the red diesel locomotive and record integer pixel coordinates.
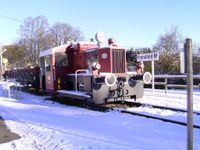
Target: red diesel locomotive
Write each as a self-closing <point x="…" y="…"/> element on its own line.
<point x="84" y="70"/>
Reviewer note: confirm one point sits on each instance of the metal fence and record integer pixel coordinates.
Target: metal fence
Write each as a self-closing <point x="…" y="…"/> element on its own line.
<point x="167" y="78"/>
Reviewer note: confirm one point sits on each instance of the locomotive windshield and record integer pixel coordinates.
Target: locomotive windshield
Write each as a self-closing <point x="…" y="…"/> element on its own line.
<point x="92" y="58"/>
<point x="118" y="61"/>
<point x="61" y="59"/>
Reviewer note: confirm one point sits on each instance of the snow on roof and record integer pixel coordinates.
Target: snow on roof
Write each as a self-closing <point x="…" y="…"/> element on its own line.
<point x="62" y="48"/>
<point x="54" y="50"/>
<point x="87" y="42"/>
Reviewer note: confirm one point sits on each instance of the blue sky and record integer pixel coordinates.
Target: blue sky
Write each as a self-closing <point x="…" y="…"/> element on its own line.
<point x="134" y="23"/>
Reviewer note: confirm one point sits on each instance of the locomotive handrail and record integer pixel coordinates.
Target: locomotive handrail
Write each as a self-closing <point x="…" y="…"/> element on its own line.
<point x="76" y="72"/>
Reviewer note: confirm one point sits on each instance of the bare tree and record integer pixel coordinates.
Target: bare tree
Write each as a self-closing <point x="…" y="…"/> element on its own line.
<point x="196" y="48"/>
<point x="196" y="64"/>
<point x="131" y="57"/>
<point x="33" y="37"/>
<point x="196" y="58"/>
<point x="15" y="55"/>
<point x="168" y="46"/>
<point x="36" y="35"/>
<point x="61" y="33"/>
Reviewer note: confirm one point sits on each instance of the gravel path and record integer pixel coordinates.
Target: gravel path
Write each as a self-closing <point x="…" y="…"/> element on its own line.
<point x="5" y="134"/>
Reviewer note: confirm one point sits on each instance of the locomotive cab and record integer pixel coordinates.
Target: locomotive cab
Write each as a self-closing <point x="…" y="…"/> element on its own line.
<point x="54" y="64"/>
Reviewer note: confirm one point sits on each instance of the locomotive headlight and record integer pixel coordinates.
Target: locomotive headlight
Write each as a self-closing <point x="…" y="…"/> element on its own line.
<point x="110" y="79"/>
<point x="96" y="66"/>
<point x="147" y="77"/>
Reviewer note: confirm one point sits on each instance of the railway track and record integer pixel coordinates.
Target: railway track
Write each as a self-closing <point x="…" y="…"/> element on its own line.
<point x="122" y="108"/>
<point x="159" y="118"/>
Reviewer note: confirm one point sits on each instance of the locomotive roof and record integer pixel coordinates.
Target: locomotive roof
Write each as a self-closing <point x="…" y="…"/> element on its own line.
<point x="58" y="49"/>
<point x="87" y="46"/>
<point x="62" y="48"/>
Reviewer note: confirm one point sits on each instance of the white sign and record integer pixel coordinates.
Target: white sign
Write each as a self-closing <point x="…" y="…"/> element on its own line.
<point x="148" y="56"/>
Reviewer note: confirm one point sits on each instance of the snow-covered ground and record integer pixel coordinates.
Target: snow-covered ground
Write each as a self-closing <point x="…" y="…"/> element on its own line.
<point x="173" y="99"/>
<point x="46" y="125"/>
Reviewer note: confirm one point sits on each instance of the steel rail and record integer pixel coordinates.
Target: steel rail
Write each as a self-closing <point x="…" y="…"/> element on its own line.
<point x="158" y="118"/>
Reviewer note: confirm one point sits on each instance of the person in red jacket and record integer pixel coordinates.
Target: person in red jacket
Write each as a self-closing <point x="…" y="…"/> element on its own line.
<point x="139" y="68"/>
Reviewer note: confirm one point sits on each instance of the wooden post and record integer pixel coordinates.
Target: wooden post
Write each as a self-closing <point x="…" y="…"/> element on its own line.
<point x="189" y="64"/>
<point x="165" y="85"/>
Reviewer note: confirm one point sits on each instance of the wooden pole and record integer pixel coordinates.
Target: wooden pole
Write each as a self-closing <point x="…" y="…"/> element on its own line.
<point x="189" y="62"/>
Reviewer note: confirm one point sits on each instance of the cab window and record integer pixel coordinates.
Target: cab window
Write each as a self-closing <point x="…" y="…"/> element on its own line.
<point x="61" y="59"/>
<point x="48" y="63"/>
